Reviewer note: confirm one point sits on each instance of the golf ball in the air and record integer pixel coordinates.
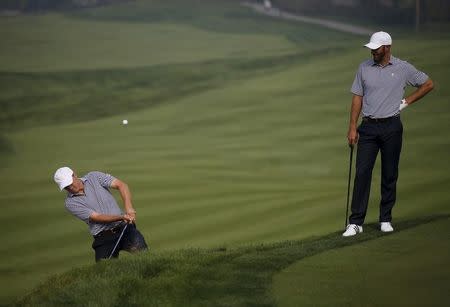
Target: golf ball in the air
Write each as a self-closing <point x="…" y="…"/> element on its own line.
<point x="125" y="122"/>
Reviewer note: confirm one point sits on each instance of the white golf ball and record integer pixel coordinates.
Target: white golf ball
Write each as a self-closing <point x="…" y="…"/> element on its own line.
<point x="125" y="122"/>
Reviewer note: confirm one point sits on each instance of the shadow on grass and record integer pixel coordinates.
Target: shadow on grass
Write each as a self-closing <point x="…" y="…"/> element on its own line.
<point x="195" y="277"/>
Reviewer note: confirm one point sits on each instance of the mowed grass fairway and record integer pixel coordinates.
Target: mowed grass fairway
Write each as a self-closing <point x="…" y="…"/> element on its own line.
<point x="236" y="138"/>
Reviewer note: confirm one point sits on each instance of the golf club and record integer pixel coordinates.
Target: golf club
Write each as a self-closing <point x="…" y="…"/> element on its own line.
<point x="349" y="179"/>
<point x="118" y="241"/>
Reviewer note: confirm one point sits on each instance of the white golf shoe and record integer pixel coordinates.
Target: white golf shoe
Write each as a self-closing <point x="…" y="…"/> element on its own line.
<point x="351" y="230"/>
<point x="386" y="227"/>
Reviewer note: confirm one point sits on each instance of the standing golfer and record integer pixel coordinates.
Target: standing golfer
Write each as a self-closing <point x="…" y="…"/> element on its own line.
<point x="378" y="92"/>
<point x="89" y="199"/>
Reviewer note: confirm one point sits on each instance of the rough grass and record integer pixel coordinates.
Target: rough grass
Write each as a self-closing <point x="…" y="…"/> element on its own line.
<point x="196" y="277"/>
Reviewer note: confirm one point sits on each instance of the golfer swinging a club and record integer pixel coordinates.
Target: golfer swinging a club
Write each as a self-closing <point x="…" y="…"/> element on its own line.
<point x="89" y="199"/>
<point x="378" y="92"/>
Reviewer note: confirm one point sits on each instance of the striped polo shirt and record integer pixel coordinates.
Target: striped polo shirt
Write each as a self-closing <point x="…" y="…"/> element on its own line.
<point x="383" y="88"/>
<point x="96" y="198"/>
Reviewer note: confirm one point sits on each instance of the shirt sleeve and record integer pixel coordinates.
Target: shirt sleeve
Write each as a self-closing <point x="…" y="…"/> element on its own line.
<point x="357" y="86"/>
<point x="415" y="77"/>
<point x="78" y="210"/>
<point x="103" y="179"/>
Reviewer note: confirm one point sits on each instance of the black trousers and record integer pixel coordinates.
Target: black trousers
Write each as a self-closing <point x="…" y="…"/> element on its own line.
<point x="132" y="241"/>
<point x="384" y="136"/>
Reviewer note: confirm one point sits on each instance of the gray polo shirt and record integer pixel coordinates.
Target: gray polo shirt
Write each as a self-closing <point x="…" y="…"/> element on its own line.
<point x="383" y="88"/>
<point x="96" y="198"/>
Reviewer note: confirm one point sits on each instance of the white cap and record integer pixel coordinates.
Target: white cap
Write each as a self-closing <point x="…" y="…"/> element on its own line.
<point x="63" y="177"/>
<point x="379" y="39"/>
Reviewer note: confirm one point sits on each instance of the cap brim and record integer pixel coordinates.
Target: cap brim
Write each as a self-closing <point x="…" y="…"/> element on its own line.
<point x="65" y="184"/>
<point x="373" y="46"/>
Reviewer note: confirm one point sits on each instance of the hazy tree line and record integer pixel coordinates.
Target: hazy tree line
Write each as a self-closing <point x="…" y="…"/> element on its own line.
<point x="386" y="11"/>
<point x="40" y="5"/>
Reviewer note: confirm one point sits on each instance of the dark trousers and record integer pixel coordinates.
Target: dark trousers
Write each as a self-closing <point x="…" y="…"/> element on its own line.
<point x="377" y="136"/>
<point x="132" y="241"/>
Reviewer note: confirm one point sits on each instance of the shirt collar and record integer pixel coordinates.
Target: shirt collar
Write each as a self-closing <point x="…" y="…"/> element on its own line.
<point x="392" y="61"/>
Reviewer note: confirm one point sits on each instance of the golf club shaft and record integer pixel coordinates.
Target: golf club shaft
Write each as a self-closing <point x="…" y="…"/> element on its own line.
<point x="118" y="241"/>
<point x="349" y="180"/>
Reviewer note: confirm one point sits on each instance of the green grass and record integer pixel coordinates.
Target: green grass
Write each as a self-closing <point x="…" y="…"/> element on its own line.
<point x="243" y="276"/>
<point x="394" y="270"/>
<point x="87" y="92"/>
<point x="234" y="137"/>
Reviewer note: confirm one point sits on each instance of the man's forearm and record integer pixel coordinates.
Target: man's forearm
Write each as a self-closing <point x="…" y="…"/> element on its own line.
<point x="125" y="194"/>
<point x="352" y="134"/>
<point x="355" y="111"/>
<point x="105" y="218"/>
<point x="126" y="197"/>
<point x="420" y="92"/>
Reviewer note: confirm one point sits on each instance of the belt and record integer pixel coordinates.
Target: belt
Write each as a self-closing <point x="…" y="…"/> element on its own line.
<point x="379" y="120"/>
<point x="110" y="231"/>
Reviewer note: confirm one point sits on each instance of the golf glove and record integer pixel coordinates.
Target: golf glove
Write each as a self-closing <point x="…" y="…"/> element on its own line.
<point x="403" y="104"/>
